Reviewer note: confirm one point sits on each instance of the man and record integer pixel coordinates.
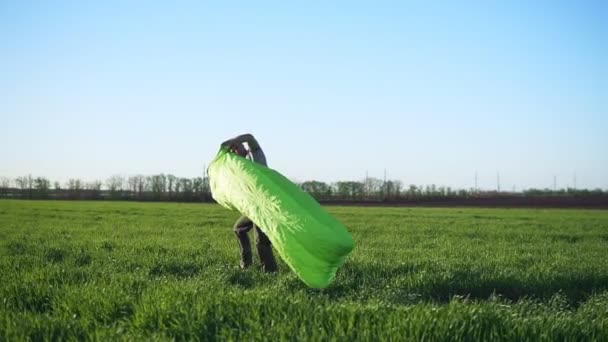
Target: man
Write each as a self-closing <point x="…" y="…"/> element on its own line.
<point x="243" y="225"/>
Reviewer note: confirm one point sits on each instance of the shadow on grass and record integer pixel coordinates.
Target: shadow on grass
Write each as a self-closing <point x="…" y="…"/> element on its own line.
<point x="242" y="279"/>
<point x="407" y="284"/>
<point x="54" y="254"/>
<point x="174" y="268"/>
<point x="15" y="248"/>
<point x="29" y="297"/>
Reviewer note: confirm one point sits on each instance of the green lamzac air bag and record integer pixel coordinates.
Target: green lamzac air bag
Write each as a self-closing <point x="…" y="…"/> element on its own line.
<point x="311" y="241"/>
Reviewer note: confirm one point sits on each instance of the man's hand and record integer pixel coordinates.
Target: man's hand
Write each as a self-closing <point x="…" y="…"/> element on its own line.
<point x="235" y="145"/>
<point x="238" y="149"/>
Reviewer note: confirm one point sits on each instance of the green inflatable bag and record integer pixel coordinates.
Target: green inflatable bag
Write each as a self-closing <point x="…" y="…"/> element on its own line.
<point x="311" y="241"/>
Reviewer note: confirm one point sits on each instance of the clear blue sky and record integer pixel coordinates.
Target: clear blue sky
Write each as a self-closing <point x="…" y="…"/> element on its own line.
<point x="430" y="92"/>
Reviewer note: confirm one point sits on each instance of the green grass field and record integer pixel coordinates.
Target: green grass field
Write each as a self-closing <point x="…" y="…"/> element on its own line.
<point x="103" y="270"/>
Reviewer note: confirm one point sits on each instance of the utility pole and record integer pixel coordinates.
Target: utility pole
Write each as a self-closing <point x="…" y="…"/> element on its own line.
<point x="384" y="177"/>
<point x="476" y="189"/>
<point x="205" y="182"/>
<point x="384" y="185"/>
<point x="204" y="173"/>
<point x="497" y="181"/>
<point x="367" y="183"/>
<point x="554" y="183"/>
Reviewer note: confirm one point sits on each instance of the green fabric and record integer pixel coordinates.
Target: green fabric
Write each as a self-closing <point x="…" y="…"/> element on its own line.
<point x="311" y="241"/>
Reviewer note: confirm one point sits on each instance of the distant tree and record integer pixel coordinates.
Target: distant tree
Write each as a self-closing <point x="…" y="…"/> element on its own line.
<point x="372" y="186"/>
<point x="137" y="184"/>
<point x="186" y="186"/>
<point x="158" y="185"/>
<point x="412" y="191"/>
<point x="206" y="183"/>
<point x="341" y="189"/>
<point x="57" y="186"/>
<point x="398" y="186"/>
<point x="21" y="183"/>
<point x="26" y="185"/>
<point x="162" y="180"/>
<point x="350" y="189"/>
<point x="94" y="185"/>
<point x="177" y="186"/>
<point x="357" y="189"/>
<point x="74" y="184"/>
<point x="5" y="184"/>
<point x="94" y="188"/>
<point x="206" y="188"/>
<point x="132" y="184"/>
<point x="30" y="182"/>
<point x="395" y="189"/>
<point x="141" y="185"/>
<point x="75" y="187"/>
<point x="42" y="186"/>
<point x="315" y="188"/>
<point x="391" y="189"/>
<point x="115" y="184"/>
<point x="148" y="183"/>
<point x="198" y="186"/>
<point x="171" y="180"/>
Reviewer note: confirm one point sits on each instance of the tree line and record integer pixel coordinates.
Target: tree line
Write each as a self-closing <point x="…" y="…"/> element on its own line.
<point x="159" y="187"/>
<point x="167" y="187"/>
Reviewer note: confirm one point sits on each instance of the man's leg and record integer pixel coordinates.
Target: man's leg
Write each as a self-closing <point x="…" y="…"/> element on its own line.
<point x="264" y="248"/>
<point x="241" y="227"/>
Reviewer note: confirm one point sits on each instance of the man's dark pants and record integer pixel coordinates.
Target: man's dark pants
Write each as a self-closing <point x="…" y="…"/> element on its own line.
<point x="242" y="226"/>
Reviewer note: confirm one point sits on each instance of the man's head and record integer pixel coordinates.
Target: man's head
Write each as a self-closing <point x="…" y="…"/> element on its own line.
<point x="239" y="149"/>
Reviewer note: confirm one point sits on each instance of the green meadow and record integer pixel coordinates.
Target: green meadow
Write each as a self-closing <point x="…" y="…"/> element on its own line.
<point x="90" y="270"/>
